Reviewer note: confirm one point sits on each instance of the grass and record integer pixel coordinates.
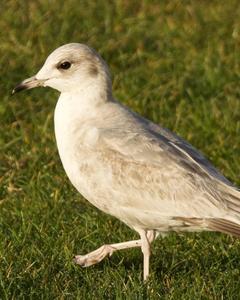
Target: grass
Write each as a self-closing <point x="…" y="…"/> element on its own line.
<point x="175" y="62"/>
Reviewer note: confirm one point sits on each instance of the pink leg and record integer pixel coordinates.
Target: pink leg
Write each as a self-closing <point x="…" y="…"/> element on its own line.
<point x="94" y="257"/>
<point x="147" y="237"/>
<point x="98" y="255"/>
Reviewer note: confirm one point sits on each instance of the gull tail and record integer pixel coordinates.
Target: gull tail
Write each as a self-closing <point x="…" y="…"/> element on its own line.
<point x="225" y="226"/>
<point x="230" y="198"/>
<point x="213" y="224"/>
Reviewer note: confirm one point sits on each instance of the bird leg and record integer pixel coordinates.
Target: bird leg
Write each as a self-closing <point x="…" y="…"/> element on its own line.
<point x="98" y="255"/>
<point x="147" y="237"/>
<point x="94" y="257"/>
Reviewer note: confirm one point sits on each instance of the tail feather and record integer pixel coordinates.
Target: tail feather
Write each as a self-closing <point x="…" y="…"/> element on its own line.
<point x="225" y="226"/>
<point x="213" y="224"/>
<point x="231" y="197"/>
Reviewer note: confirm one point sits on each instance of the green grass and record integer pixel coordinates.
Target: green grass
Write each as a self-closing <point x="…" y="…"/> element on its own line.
<point x="175" y="62"/>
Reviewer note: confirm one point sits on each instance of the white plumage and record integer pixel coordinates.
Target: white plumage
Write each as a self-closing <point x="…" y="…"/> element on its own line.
<point x="125" y="165"/>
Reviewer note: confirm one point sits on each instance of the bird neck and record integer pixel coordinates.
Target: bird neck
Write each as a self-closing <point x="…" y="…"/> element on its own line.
<point x="84" y="101"/>
<point x="93" y="91"/>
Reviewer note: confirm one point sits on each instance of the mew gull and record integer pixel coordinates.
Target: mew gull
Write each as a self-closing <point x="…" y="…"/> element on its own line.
<point x="127" y="166"/>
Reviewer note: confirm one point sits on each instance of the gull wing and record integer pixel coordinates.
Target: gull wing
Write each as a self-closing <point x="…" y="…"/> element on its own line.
<point x="188" y="150"/>
<point x="185" y="181"/>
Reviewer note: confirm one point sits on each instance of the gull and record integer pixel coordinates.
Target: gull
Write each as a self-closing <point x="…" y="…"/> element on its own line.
<point x="125" y="165"/>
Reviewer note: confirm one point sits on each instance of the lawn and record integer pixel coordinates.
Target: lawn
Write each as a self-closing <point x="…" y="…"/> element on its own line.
<point x="175" y="62"/>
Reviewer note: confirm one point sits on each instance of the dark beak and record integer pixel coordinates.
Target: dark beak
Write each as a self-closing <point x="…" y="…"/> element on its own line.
<point x="28" y="84"/>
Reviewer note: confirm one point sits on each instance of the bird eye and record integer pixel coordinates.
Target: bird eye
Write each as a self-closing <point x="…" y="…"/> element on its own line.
<point x="65" y="65"/>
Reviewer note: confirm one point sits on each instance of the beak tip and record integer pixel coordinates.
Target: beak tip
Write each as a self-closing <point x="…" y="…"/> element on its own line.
<point x="27" y="84"/>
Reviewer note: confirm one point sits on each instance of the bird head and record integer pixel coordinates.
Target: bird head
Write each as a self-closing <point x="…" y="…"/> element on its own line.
<point x="70" y="68"/>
